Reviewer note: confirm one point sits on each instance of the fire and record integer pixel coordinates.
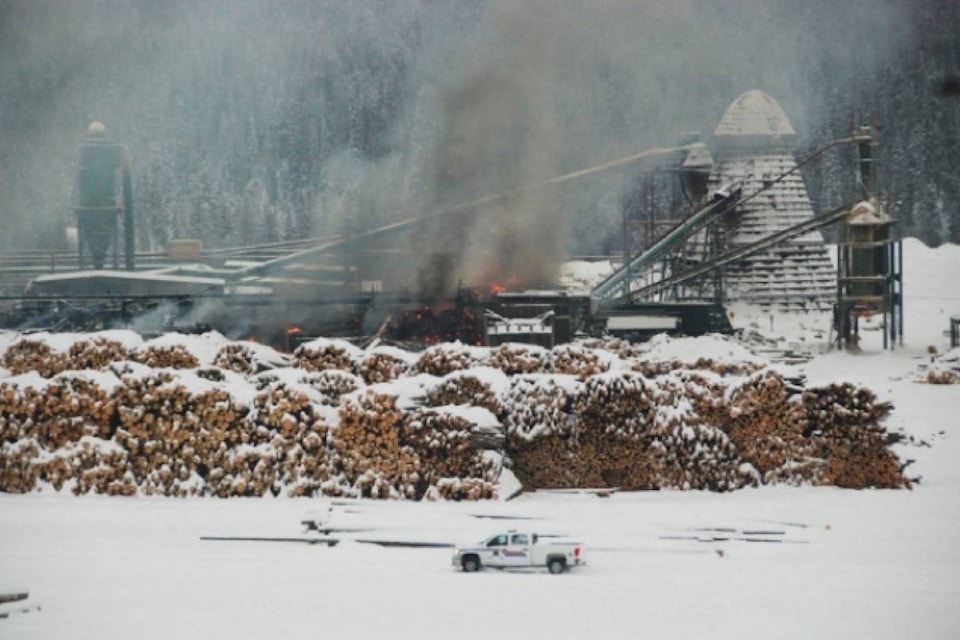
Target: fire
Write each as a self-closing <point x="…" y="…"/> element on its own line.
<point x="510" y="283"/>
<point x="294" y="330"/>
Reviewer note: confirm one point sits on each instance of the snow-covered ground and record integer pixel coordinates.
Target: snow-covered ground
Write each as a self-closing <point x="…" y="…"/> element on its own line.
<point x="774" y="562"/>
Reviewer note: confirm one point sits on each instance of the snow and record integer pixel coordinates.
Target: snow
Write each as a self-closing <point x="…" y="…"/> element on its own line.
<point x="878" y="564"/>
<point x="690" y="350"/>
<point x="580" y="276"/>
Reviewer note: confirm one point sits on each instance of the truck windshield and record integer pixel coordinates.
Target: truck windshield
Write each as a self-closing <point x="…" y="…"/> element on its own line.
<point x="498" y="541"/>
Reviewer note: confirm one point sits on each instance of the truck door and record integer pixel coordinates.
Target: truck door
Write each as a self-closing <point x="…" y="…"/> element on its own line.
<point x="494" y="555"/>
<point x="517" y="551"/>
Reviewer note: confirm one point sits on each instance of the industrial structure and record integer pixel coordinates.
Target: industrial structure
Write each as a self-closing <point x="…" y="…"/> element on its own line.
<point x="731" y="221"/>
<point x="103" y="195"/>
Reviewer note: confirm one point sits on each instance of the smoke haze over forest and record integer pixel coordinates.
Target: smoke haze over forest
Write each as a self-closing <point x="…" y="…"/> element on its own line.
<point x="253" y="121"/>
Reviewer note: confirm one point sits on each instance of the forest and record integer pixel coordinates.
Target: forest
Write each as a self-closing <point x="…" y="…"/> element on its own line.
<point x="253" y="121"/>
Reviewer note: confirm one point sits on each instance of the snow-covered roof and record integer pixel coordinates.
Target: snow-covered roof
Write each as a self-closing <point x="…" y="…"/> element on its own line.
<point x="754" y="113"/>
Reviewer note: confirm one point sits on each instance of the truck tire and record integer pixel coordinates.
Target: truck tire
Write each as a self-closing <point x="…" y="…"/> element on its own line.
<point x="470" y="563"/>
<point x="556" y="565"/>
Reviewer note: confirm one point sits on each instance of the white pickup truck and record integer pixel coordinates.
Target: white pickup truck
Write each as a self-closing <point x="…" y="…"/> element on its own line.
<point x="518" y="549"/>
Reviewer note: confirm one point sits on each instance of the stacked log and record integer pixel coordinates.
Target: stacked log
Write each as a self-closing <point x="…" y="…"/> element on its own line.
<point x="62" y="411"/>
<point x="299" y="455"/>
<point x="34" y="355"/>
<point x="571" y="359"/>
<point x="440" y="360"/>
<point x="462" y="489"/>
<point x="763" y="423"/>
<point x="617" y="435"/>
<point x="18" y="472"/>
<point x="515" y="359"/>
<point x="652" y="368"/>
<point x="466" y="388"/>
<point x="701" y="457"/>
<point x="623" y="349"/>
<point x="540" y="428"/>
<point x="320" y="355"/>
<point x="95" y="353"/>
<point x="98" y="467"/>
<point x="235" y="357"/>
<point x="700" y="425"/>
<point x="165" y="357"/>
<point x="941" y="376"/>
<point x="444" y="446"/>
<point x="374" y="462"/>
<point x="384" y="365"/>
<point x="332" y="384"/>
<point x="842" y="423"/>
<point x="174" y="436"/>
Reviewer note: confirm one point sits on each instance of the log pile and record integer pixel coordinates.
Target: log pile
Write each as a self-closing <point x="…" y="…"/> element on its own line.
<point x="763" y="424"/>
<point x="332" y="384"/>
<point x="236" y="357"/>
<point x="439" y="360"/>
<point x="320" y="355"/>
<point x="451" y="466"/>
<point x="576" y="360"/>
<point x="462" y="387"/>
<point x="34" y="355"/>
<point x="842" y="423"/>
<point x="374" y="463"/>
<point x="617" y="433"/>
<point x="941" y="376"/>
<point x="514" y="359"/>
<point x="165" y="356"/>
<point x="652" y="368"/>
<point x="382" y="365"/>
<point x="608" y="421"/>
<point x="541" y="431"/>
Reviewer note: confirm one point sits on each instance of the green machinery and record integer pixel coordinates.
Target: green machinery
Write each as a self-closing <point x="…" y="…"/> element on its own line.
<point x="103" y="194"/>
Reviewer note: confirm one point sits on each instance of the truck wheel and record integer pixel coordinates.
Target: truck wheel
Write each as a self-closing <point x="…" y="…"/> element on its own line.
<point x="556" y="565"/>
<point x="470" y="564"/>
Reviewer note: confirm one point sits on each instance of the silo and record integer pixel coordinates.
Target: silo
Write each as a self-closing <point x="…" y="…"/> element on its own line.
<point x="102" y="195"/>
